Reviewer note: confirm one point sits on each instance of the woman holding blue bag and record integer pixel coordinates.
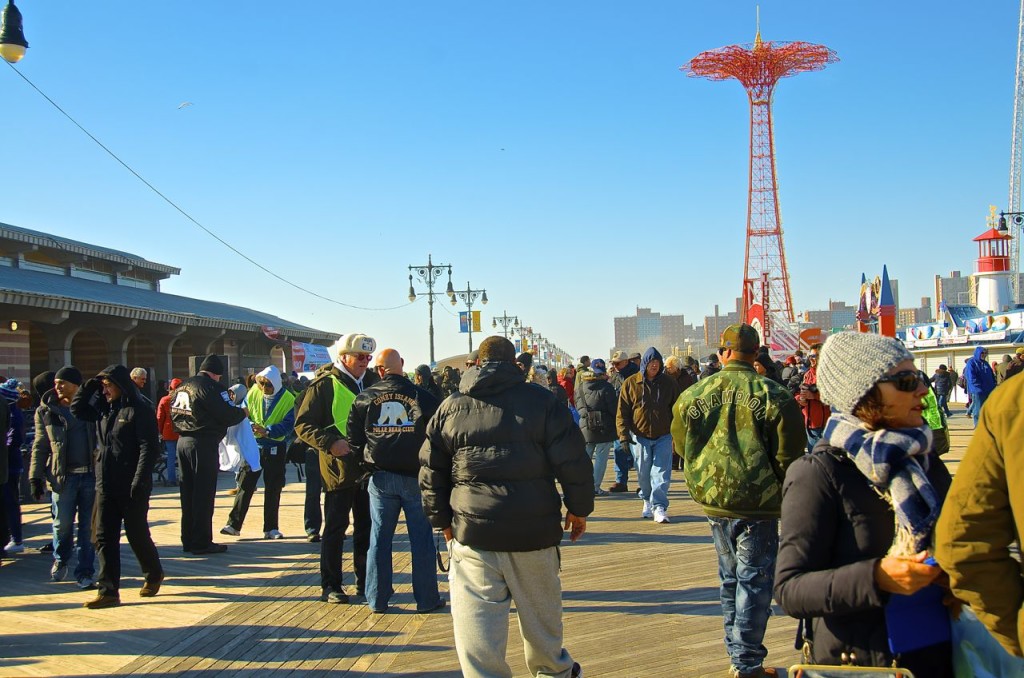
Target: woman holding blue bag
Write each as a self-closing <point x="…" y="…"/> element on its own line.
<point x="858" y="515"/>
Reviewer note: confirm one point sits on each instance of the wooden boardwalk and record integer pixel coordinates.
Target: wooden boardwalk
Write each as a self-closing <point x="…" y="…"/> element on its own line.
<point x="640" y="599"/>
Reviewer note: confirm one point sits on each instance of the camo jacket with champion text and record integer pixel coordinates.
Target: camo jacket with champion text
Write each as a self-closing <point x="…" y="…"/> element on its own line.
<point x="737" y="432"/>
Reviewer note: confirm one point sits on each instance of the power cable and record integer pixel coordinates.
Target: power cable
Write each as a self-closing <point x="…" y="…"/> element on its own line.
<point x="189" y="216"/>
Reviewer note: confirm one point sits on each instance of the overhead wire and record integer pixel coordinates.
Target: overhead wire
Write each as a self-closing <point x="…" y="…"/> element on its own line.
<point x="188" y="216"/>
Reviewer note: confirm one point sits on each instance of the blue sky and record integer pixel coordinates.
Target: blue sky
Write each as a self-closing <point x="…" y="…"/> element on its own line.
<point x="553" y="153"/>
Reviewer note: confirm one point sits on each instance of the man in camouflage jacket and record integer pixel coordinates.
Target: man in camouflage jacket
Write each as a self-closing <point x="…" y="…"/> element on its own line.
<point x="737" y="433"/>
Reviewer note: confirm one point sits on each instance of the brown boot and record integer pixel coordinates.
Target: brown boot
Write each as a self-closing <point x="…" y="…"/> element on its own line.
<point x="101" y="601"/>
<point x="151" y="588"/>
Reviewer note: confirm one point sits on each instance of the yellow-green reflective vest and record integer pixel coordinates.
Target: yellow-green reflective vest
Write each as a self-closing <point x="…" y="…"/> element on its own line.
<point x="254" y="401"/>
<point x="341" y="404"/>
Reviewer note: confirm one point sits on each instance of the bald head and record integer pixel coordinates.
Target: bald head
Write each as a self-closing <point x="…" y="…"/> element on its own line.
<point x="390" y="362"/>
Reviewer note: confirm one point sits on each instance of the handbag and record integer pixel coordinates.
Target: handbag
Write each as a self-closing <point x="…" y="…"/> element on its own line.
<point x="820" y="671"/>
<point x="804" y="642"/>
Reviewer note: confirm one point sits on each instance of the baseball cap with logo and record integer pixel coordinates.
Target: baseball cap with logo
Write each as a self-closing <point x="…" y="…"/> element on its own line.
<point x="597" y="366"/>
<point x="619" y="356"/>
<point x="741" y="338"/>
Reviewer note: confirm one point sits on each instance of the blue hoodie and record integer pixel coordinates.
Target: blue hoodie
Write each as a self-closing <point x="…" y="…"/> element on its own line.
<point x="649" y="355"/>
<point x="978" y="375"/>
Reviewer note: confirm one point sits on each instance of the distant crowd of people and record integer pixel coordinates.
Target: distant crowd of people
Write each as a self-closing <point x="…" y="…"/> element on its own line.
<point x="820" y="476"/>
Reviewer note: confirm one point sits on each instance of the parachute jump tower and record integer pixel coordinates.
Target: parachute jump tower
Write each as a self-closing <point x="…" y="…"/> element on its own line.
<point x="767" y="303"/>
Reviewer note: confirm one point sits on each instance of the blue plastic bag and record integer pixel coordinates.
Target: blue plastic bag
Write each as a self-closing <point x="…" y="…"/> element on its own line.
<point x="976" y="654"/>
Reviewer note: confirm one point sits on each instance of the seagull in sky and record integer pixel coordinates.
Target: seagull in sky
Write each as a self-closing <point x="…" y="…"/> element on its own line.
<point x="184" y="104"/>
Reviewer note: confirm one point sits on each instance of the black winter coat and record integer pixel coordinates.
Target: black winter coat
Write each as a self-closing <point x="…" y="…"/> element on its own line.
<point x="835" y="528"/>
<point x="128" y="442"/>
<point x="596" y="401"/>
<point x="387" y="424"/>
<point x="201" y="408"/>
<point x="493" y="453"/>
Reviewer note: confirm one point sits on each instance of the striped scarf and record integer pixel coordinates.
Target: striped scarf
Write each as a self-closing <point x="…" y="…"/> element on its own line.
<point x="894" y="461"/>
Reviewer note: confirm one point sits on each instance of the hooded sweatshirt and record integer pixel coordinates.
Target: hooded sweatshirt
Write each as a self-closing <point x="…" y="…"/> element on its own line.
<point x="261" y="406"/>
<point x="978" y="374"/>
<point x="645" y="405"/>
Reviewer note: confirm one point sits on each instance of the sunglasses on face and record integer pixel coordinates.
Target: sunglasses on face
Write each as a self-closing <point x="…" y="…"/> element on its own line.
<point x="362" y="356"/>
<point x="907" y="380"/>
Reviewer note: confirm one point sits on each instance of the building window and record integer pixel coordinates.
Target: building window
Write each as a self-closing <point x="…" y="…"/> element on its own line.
<point x="91" y="275"/>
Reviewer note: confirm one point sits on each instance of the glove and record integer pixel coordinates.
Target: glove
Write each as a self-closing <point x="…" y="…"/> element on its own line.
<point x="38" y="488"/>
<point x="141" y="489"/>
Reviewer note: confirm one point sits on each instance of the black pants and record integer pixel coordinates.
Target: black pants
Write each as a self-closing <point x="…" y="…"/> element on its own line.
<point x="272" y="459"/>
<point x="337" y="505"/>
<point x="109" y="512"/>
<point x="198" y="463"/>
<point x="313" y="515"/>
<point x="5" y="529"/>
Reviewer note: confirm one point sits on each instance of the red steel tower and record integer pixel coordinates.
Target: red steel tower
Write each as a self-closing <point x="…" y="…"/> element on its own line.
<point x="767" y="303"/>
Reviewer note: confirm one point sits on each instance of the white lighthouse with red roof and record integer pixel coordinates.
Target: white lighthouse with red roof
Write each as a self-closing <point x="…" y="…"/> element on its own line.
<point x="992" y="272"/>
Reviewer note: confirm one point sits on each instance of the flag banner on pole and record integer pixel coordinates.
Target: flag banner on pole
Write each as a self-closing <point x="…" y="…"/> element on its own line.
<point x="476" y="321"/>
<point x="463" y="322"/>
<point x="519" y="345"/>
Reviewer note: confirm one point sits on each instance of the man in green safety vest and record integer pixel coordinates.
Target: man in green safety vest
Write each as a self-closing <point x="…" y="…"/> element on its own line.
<point x="271" y="410"/>
<point x="321" y="421"/>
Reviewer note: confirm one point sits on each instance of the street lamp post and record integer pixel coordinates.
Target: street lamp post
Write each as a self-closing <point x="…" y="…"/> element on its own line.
<point x="509" y="323"/>
<point x="468" y="297"/>
<point x="12" y="34"/>
<point x="1015" y="232"/>
<point x="429" y="275"/>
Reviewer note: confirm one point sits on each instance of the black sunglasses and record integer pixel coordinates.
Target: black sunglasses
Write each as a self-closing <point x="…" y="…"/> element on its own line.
<point x="907" y="380"/>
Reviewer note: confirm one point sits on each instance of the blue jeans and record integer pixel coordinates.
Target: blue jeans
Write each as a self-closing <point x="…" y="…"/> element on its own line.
<point x="171" y="450"/>
<point x="75" y="501"/>
<point x="391" y="493"/>
<point x="813" y="436"/>
<point x="746" y="567"/>
<point x="12" y="505"/>
<point x="653" y="468"/>
<point x="977" y="400"/>
<point x="623" y="462"/>
<point x="943" y="401"/>
<point x="598" y="453"/>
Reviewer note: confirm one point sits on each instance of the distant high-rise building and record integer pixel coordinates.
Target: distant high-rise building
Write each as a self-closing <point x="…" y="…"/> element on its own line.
<point x="839" y="315"/>
<point x="648" y="328"/>
<point x="953" y="290"/>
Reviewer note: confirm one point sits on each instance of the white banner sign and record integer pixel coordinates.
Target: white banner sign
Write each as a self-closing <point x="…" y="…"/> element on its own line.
<point x="308" y="357"/>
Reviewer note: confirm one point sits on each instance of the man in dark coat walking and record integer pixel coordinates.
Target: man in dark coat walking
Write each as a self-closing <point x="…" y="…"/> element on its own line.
<point x="493" y="453"/>
<point x="128" y="446"/>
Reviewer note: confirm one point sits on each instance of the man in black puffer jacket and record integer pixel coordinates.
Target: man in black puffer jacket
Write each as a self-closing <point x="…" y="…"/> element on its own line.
<point x="128" y="446"/>
<point x="201" y="412"/>
<point x="493" y="453"/>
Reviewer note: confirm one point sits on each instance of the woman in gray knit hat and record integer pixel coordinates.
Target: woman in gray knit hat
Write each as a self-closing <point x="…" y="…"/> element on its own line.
<point x="858" y="514"/>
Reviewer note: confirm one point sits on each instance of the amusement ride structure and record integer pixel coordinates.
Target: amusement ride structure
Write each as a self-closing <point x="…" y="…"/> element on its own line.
<point x="767" y="303"/>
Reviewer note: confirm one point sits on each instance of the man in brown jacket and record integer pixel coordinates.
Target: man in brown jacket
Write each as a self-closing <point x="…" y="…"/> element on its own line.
<point x="984" y="516"/>
<point x="645" y="411"/>
<point x="321" y="421"/>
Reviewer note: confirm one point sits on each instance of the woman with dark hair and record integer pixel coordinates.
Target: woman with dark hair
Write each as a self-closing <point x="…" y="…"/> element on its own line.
<point x="858" y="513"/>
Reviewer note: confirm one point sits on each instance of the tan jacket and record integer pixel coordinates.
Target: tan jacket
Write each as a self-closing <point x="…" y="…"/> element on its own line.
<point x="984" y="514"/>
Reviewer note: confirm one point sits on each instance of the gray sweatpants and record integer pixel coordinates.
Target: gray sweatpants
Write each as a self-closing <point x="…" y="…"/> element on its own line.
<point x="483" y="585"/>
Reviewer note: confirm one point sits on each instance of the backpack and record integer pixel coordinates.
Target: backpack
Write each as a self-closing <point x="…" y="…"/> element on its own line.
<point x="962" y="382"/>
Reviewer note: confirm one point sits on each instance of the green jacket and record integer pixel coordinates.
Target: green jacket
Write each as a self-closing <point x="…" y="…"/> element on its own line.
<point x="737" y="433"/>
<point x="317" y="426"/>
<point x="983" y="516"/>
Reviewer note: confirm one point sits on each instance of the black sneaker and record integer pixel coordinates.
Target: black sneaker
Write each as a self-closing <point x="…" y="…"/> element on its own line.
<point x="619" y="487"/>
<point x="577" y="671"/>
<point x="212" y="548"/>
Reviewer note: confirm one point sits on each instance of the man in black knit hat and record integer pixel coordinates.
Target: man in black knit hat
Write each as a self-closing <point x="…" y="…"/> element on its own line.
<point x="201" y="413"/>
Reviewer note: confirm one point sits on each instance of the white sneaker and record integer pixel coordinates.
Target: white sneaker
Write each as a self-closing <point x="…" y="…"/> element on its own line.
<point x="659" y="515"/>
<point x="86" y="582"/>
<point x="273" y="534"/>
<point x="14" y="547"/>
<point x="646" y="513"/>
<point x="227" y="529"/>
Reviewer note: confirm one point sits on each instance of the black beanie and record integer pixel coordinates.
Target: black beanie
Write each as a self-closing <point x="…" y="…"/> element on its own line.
<point x="525" y="359"/>
<point x="69" y="374"/>
<point x="212" y="364"/>
<point x="43" y="382"/>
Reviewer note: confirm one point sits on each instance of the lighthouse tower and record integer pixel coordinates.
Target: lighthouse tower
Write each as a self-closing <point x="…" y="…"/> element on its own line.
<point x="992" y="272"/>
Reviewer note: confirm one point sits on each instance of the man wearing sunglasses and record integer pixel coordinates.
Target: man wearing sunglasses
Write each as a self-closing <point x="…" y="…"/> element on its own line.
<point x="321" y="421"/>
<point x="980" y="381"/>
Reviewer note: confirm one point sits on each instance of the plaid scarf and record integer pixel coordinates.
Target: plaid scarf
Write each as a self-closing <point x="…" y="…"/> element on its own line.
<point x="894" y="461"/>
